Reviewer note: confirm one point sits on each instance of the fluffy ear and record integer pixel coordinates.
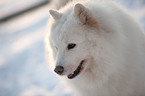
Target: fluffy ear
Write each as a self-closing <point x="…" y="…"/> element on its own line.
<point x="55" y="14"/>
<point x="84" y="16"/>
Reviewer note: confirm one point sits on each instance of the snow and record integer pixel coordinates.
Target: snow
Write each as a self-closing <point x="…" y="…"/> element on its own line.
<point x="24" y="68"/>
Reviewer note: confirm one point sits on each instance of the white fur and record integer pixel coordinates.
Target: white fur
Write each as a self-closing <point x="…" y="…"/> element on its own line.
<point x="110" y="41"/>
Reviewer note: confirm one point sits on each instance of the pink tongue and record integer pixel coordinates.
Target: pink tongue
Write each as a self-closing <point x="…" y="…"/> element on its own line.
<point x="70" y="75"/>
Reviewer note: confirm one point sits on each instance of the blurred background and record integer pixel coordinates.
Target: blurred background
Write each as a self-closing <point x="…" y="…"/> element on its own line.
<point x="24" y="68"/>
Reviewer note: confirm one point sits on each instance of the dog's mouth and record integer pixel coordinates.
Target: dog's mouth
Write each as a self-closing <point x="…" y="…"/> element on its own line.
<point x="77" y="71"/>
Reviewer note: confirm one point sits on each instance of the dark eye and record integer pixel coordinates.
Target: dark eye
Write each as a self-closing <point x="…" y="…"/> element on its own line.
<point x="56" y="48"/>
<point x="71" y="45"/>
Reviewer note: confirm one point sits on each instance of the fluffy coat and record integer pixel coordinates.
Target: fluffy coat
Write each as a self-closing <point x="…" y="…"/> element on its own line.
<point x="108" y="39"/>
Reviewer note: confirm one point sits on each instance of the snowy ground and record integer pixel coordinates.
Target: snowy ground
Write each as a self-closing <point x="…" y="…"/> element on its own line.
<point x="24" y="69"/>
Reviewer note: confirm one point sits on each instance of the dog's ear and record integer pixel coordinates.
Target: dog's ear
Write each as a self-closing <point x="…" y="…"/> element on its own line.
<point x="56" y="15"/>
<point x="84" y="15"/>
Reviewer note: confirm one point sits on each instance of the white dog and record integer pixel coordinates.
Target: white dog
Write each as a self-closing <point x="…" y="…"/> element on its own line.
<point x="98" y="48"/>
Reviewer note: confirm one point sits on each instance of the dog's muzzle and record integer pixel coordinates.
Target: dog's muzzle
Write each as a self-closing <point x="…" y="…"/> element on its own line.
<point x="77" y="71"/>
<point x="59" y="70"/>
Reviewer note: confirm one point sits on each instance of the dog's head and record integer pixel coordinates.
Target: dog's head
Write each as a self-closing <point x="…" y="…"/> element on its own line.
<point x="77" y="41"/>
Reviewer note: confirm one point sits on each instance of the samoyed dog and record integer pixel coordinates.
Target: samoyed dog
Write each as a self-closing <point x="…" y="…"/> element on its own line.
<point x="97" y="48"/>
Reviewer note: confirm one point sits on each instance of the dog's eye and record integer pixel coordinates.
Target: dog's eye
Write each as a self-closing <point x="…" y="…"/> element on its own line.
<point x="71" y="45"/>
<point x="56" y="48"/>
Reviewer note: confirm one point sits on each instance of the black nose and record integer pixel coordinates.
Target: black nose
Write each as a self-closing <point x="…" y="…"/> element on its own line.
<point x="59" y="70"/>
